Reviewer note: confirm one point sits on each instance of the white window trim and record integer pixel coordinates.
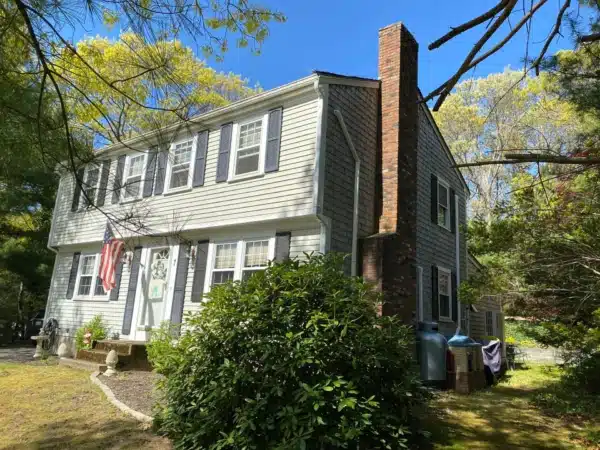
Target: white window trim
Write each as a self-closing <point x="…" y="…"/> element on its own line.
<point x="239" y="257"/>
<point x="449" y="273"/>
<point x="91" y="296"/>
<point x="84" y="185"/>
<point x="167" y="189"/>
<point x="448" y="207"/>
<point x="261" y="153"/>
<point x="126" y="171"/>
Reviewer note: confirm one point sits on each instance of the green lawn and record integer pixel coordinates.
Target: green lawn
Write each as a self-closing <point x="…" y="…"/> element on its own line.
<point x="505" y="417"/>
<point x="54" y="407"/>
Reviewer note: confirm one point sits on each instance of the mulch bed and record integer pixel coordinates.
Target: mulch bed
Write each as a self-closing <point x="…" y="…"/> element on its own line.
<point x="135" y="389"/>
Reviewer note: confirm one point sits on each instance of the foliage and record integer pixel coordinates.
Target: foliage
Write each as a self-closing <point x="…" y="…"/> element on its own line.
<point x="519" y="332"/>
<point x="504" y="111"/>
<point x="164" y="74"/>
<point x="90" y="332"/>
<point x="295" y="357"/>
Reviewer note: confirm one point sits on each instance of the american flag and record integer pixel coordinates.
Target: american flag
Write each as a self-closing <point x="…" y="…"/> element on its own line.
<point x="111" y="252"/>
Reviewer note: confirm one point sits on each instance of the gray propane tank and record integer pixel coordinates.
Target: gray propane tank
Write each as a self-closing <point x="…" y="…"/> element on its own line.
<point x="431" y="353"/>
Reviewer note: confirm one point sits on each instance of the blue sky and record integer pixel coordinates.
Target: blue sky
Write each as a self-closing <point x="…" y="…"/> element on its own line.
<point x="341" y="36"/>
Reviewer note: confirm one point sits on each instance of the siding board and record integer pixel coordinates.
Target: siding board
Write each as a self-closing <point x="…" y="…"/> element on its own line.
<point x="212" y="203"/>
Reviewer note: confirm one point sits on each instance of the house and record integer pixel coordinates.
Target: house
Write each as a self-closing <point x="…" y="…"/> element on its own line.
<point x="325" y="163"/>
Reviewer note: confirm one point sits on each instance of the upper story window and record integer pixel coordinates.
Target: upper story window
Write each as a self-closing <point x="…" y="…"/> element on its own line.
<point x="180" y="164"/>
<point x="248" y="147"/>
<point x="89" y="284"/>
<point x="443" y="204"/>
<point x="444" y="292"/>
<point x="239" y="259"/>
<point x="134" y="172"/>
<point x="90" y="186"/>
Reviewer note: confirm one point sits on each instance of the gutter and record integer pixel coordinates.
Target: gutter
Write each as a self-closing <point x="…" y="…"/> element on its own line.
<point x="340" y="118"/>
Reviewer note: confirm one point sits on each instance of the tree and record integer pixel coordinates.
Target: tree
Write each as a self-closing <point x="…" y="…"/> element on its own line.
<point x="495" y="21"/>
<point x="502" y="113"/>
<point x="164" y="74"/>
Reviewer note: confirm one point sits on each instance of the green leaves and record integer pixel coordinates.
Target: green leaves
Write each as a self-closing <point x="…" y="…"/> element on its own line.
<point x="310" y="364"/>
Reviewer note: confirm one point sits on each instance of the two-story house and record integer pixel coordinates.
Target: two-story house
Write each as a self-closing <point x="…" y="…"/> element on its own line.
<point x="325" y="163"/>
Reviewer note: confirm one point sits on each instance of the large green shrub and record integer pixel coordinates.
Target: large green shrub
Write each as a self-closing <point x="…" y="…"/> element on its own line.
<point x="294" y="358"/>
<point x="94" y="330"/>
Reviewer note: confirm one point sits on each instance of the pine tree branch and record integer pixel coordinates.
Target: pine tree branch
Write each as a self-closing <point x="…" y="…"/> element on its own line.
<point x="518" y="158"/>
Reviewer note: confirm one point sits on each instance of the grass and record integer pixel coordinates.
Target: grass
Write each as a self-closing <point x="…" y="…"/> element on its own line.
<point x="54" y="407"/>
<point x="504" y="417"/>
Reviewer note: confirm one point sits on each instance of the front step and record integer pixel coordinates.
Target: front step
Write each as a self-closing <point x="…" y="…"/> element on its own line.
<point x="132" y="354"/>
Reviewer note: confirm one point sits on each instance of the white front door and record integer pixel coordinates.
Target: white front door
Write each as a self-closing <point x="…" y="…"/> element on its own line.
<point x="152" y="302"/>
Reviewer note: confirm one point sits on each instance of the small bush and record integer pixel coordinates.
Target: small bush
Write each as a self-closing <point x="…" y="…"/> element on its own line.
<point x="294" y="358"/>
<point x="94" y="330"/>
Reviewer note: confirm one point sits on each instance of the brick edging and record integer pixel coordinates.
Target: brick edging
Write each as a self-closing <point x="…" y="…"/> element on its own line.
<point x="119" y="404"/>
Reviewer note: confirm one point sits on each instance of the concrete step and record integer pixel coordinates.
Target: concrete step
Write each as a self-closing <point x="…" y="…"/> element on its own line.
<point x="120" y="346"/>
<point x="82" y="364"/>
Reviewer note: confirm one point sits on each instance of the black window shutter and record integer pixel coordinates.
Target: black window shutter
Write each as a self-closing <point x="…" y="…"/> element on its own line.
<point x="118" y="179"/>
<point x="435" y="305"/>
<point x="149" y="176"/>
<point x="224" y="150"/>
<point x="103" y="182"/>
<point x="160" y="172"/>
<point x="180" y="280"/>
<point x="452" y="211"/>
<point x="282" y="246"/>
<point x="200" y="271"/>
<point x="434" y="199"/>
<point x="273" y="140"/>
<point x="454" y="298"/>
<point x="200" y="165"/>
<point x="73" y="275"/>
<point x="131" y="290"/>
<point x="114" y="293"/>
<point x="77" y="189"/>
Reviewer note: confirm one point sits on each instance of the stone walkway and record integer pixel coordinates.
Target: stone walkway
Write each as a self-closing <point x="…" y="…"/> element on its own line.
<point x="17" y="353"/>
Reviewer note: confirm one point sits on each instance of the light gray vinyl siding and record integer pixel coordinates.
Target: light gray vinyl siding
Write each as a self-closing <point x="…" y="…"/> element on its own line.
<point x="436" y="245"/>
<point x="302" y="241"/>
<point x="486" y="303"/>
<point x="287" y="192"/>
<point x="71" y="314"/>
<point x="359" y="107"/>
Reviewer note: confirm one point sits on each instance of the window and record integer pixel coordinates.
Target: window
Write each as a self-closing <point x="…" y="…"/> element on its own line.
<point x="256" y="257"/>
<point x="464" y="321"/>
<point x="225" y="259"/>
<point x="239" y="259"/>
<point x="248" y="147"/>
<point x="133" y="176"/>
<point x="181" y="161"/>
<point x="444" y="293"/>
<point x="443" y="204"/>
<point x="489" y="323"/>
<point x="89" y="283"/>
<point x="90" y="186"/>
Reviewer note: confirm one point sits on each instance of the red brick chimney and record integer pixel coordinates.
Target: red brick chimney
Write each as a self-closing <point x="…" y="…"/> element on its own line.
<point x="389" y="257"/>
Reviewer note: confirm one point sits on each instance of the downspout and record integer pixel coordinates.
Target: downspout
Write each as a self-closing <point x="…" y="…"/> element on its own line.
<point x="340" y="118"/>
<point x="456" y="227"/>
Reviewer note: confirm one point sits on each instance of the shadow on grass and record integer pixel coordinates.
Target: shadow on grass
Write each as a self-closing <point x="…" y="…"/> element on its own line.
<point x="112" y="434"/>
<point x="501" y="417"/>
